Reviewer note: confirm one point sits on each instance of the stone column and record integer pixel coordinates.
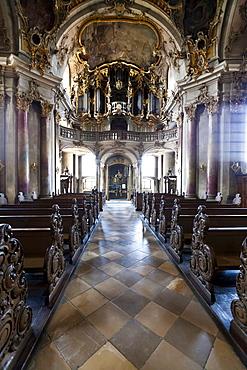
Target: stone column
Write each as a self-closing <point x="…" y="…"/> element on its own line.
<point x="97" y="161"/>
<point x="23" y="104"/>
<point x="191" y="152"/>
<point x="80" y="172"/>
<point x="45" y="150"/>
<point x="107" y="182"/>
<point x="212" y="157"/>
<point x="140" y="175"/>
<point x="2" y="143"/>
<point x="161" y="173"/>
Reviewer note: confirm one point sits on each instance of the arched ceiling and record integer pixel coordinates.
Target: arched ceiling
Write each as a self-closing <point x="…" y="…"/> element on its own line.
<point x="57" y="29"/>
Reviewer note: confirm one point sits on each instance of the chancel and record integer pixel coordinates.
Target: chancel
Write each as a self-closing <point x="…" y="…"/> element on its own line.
<point x="123" y="184"/>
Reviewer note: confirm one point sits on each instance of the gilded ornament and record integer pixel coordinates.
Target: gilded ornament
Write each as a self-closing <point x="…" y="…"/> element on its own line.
<point x="23" y="101"/>
<point x="46" y="108"/>
<point x="191" y="111"/>
<point x="213" y="106"/>
<point x="39" y="59"/>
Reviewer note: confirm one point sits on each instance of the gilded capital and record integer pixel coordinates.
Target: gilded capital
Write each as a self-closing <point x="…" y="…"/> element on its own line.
<point x="23" y="101"/>
<point x="46" y="108"/>
<point x="213" y="106"/>
<point x="191" y="111"/>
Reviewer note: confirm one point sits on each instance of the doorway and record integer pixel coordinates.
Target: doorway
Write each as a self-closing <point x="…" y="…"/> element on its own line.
<point x="118" y="181"/>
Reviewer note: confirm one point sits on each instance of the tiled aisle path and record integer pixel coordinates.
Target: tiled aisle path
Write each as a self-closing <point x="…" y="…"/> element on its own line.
<point x="127" y="307"/>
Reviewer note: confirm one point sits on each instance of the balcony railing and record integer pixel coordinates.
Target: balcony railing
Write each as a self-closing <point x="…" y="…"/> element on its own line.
<point x="148" y="137"/>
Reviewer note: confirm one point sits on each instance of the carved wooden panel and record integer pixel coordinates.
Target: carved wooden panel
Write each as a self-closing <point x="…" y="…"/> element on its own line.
<point x="15" y="315"/>
<point x="202" y="260"/>
<point x="239" y="306"/>
<point x="177" y="237"/>
<point x="74" y="239"/>
<point x="54" y="260"/>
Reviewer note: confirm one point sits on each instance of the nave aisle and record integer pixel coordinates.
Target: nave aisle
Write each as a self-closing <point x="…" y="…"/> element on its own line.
<point x="127" y="307"/>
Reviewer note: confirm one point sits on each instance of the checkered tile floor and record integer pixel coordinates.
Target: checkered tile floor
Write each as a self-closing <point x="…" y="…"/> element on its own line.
<point x="127" y="307"/>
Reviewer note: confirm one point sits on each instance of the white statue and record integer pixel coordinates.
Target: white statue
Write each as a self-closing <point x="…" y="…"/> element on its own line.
<point x="237" y="200"/>
<point x="34" y="195"/>
<point x="3" y="200"/>
<point x="205" y="195"/>
<point x="219" y="197"/>
<point x="21" y="196"/>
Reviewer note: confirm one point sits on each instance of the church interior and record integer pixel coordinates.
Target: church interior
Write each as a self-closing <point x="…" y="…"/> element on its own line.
<point x="123" y="161"/>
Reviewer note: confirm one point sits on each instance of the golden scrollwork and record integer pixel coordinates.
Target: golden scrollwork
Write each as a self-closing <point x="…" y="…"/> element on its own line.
<point x="23" y="101"/>
<point x="213" y="106"/>
<point x="191" y="111"/>
<point x="33" y="166"/>
<point x="46" y="108"/>
<point x="198" y="55"/>
<point x="39" y="59"/>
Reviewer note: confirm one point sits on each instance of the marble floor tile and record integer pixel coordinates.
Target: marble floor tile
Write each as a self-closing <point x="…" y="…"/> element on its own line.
<point x="222" y="356"/>
<point x="178" y="285"/>
<point x="109" y="319"/>
<point x="153" y="261"/>
<point x="126" y="261"/>
<point x="111" y="288"/>
<point x="89" y="301"/>
<point x="94" y="277"/>
<point x="112" y="255"/>
<point x="131" y="302"/>
<point x="167" y="357"/>
<point x="48" y="358"/>
<point x="172" y="301"/>
<point x="148" y="288"/>
<point x="138" y="255"/>
<point x="190" y="340"/>
<point x="65" y="317"/>
<point x="156" y="318"/>
<point x="161" y="277"/>
<point x="84" y="329"/>
<point x="111" y="268"/>
<point x="98" y="261"/>
<point x="82" y="268"/>
<point x="169" y="267"/>
<point x="87" y="255"/>
<point x="135" y="342"/>
<point x="142" y="268"/>
<point x="107" y="357"/>
<point x="196" y="314"/>
<point x="128" y="277"/>
<point x="75" y="287"/>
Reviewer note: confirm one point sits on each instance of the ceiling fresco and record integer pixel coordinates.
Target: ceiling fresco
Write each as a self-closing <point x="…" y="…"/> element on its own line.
<point x="105" y="42"/>
<point x="39" y="13"/>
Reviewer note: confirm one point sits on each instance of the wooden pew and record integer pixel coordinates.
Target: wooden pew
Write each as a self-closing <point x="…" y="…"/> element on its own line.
<point x="165" y="214"/>
<point x="88" y="202"/>
<point x="212" y="249"/>
<point x="137" y="200"/>
<point x="42" y="241"/>
<point x="15" y="314"/>
<point x="34" y="211"/>
<point x="182" y="223"/>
